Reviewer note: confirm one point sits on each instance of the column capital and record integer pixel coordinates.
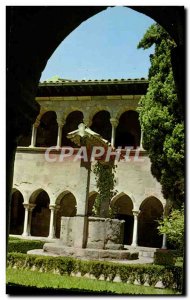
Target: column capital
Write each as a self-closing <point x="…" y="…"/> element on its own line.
<point x="114" y="122"/>
<point x="136" y="212"/>
<point x="37" y="123"/>
<point x="61" y="122"/>
<point x="52" y="206"/>
<point x="32" y="206"/>
<point x="26" y="205"/>
<point x="60" y="119"/>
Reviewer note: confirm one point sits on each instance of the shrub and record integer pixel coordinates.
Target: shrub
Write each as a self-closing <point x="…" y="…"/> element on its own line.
<point x="164" y="257"/>
<point x="22" y="246"/>
<point x="171" y="276"/>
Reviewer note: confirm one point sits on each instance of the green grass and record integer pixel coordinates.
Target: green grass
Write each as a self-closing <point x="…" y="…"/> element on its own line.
<point x="53" y="281"/>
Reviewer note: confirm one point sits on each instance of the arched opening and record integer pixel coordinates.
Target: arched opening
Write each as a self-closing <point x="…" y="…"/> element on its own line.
<point x="101" y="124"/>
<point x="151" y="210"/>
<point x="47" y="130"/>
<point x="72" y="122"/>
<point x="17" y="213"/>
<point x="66" y="206"/>
<point x="128" y="132"/>
<point x="91" y="201"/>
<point x="123" y="206"/>
<point x="40" y="218"/>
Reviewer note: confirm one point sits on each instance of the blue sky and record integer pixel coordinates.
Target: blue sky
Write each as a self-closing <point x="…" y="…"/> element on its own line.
<point x="103" y="47"/>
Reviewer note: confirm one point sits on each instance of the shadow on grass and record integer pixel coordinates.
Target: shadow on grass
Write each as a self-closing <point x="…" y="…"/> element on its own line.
<point x="19" y="290"/>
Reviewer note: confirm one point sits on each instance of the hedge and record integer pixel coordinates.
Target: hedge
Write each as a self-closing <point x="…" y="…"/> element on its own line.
<point x="22" y="246"/>
<point x="166" y="258"/>
<point x="170" y="276"/>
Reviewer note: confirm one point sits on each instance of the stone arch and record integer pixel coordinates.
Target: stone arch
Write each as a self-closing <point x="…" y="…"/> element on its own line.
<point x="128" y="131"/>
<point x="123" y="205"/>
<point x="17" y="212"/>
<point x="73" y="119"/>
<point x="66" y="206"/>
<point x="151" y="209"/>
<point x="95" y="110"/>
<point x="47" y="130"/>
<point x="29" y="26"/>
<point x="91" y="200"/>
<point x="101" y="124"/>
<point x="40" y="215"/>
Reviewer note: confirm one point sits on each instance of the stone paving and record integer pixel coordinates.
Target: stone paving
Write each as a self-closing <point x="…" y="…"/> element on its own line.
<point x="140" y="260"/>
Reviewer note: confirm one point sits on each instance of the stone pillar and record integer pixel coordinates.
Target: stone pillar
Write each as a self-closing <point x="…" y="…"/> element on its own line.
<point x="34" y="132"/>
<point x="141" y="140"/>
<point x="33" y="138"/>
<point x="31" y="207"/>
<point x="81" y="219"/>
<point x="135" y="229"/>
<point x="114" y="123"/>
<point x="60" y="122"/>
<point x="25" y="231"/>
<point x="164" y="242"/>
<point x="166" y="211"/>
<point x="51" y="226"/>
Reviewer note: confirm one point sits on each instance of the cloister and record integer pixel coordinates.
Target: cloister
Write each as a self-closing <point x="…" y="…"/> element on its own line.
<point x="43" y="192"/>
<point x="31" y="40"/>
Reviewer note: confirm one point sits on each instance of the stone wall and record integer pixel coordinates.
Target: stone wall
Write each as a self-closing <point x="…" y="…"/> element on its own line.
<point x="101" y="233"/>
<point x="33" y="172"/>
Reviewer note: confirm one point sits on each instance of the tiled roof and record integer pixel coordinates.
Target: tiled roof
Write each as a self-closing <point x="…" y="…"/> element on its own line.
<point x="57" y="80"/>
<point x="56" y="86"/>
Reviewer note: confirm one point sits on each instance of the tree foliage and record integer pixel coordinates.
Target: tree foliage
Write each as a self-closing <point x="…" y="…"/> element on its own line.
<point x="173" y="227"/>
<point x="161" y="117"/>
<point x="105" y="179"/>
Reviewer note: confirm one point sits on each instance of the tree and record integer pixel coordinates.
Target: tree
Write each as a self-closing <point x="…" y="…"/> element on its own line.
<point x="162" y="118"/>
<point x="173" y="227"/>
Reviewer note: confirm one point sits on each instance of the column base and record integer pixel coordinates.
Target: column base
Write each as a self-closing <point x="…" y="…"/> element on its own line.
<point x="25" y="235"/>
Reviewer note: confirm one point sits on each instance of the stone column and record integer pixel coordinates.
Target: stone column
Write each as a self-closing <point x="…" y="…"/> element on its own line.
<point x="51" y="226"/>
<point x="31" y="207"/>
<point x="141" y="140"/>
<point x="164" y="242"/>
<point x="60" y="122"/>
<point x="166" y="211"/>
<point x="34" y="132"/>
<point x="81" y="219"/>
<point x="135" y="229"/>
<point x="59" y="134"/>
<point x="114" y="123"/>
<point x="33" y="138"/>
<point x="25" y="231"/>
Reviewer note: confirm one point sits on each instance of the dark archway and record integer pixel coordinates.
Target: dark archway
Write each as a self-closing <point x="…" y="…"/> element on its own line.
<point x="123" y="206"/>
<point x="66" y="206"/>
<point x="72" y="122"/>
<point x="17" y="213"/>
<point x="151" y="210"/>
<point x="101" y="124"/>
<point x="41" y="213"/>
<point x="128" y="132"/>
<point x="91" y="201"/>
<point x="47" y="130"/>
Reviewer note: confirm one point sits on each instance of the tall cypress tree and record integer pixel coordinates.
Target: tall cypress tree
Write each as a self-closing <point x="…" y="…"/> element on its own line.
<point x="162" y="118"/>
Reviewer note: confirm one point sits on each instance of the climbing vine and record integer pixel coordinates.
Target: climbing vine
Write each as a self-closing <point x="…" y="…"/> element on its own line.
<point x="105" y="180"/>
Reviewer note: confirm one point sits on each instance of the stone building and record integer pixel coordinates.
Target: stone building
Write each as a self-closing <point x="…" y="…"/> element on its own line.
<point x="43" y="191"/>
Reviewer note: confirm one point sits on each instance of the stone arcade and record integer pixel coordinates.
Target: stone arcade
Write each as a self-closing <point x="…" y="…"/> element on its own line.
<point x="43" y="192"/>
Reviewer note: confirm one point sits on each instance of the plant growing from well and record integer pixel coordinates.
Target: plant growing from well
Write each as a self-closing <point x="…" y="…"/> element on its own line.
<point x="105" y="180"/>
